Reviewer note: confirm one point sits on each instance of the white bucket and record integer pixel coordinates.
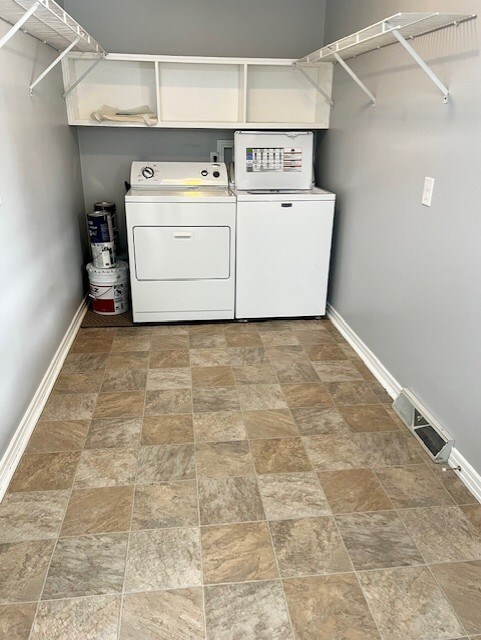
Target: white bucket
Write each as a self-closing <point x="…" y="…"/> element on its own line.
<point x="103" y="254"/>
<point x="109" y="289"/>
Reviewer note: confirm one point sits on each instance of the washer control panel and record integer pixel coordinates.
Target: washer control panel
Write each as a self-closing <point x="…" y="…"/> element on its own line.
<point x="178" y="174"/>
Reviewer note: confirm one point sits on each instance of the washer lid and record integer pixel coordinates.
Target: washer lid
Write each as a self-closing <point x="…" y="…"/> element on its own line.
<point x="289" y="195"/>
<point x="192" y="194"/>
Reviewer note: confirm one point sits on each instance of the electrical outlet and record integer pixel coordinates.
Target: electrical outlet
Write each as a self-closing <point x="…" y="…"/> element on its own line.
<point x="428" y="192"/>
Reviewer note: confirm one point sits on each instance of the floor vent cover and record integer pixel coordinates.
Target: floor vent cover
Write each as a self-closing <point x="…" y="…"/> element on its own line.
<point x="437" y="442"/>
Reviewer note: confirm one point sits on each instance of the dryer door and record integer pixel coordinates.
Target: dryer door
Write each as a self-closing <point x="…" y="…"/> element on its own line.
<point x="181" y="253"/>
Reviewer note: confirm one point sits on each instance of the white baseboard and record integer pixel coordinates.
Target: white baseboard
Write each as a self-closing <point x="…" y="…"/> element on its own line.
<point x="469" y="476"/>
<point x="18" y="443"/>
<point x="374" y="365"/>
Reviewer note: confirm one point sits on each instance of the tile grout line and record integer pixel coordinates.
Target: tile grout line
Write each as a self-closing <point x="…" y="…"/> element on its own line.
<point x="63" y="519"/>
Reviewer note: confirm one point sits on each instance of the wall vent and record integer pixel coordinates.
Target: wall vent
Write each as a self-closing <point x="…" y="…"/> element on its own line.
<point x="436" y="440"/>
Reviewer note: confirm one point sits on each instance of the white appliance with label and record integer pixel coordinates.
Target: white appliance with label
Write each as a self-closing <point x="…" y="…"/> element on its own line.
<point x="273" y="159"/>
<point x="284" y="234"/>
<point x="180" y="219"/>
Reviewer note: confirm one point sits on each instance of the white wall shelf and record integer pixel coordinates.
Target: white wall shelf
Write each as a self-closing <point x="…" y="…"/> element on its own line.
<point x="398" y="28"/>
<point x="200" y="92"/>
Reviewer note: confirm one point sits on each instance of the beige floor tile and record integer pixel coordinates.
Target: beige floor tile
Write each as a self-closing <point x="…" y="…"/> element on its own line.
<point x="237" y="553"/>
<point x="124" y="380"/>
<point x="16" y="620"/>
<point x="270" y="423"/>
<point x="337" y="371"/>
<point x="473" y="514"/>
<point x="86" y="618"/>
<point x="209" y="357"/>
<point x="169" y="359"/>
<point x="210" y="400"/>
<point x="388" y="449"/>
<point x="295" y="370"/>
<point x="329" y="607"/>
<point x="257" y="611"/>
<point x="169" y="342"/>
<point x="166" y="463"/>
<point x="242" y="356"/>
<point x="351" y="393"/>
<point x="207" y="341"/>
<point x="32" y="516"/>
<point x="163" y="559"/>
<point x="163" y="615"/>
<point x="86" y="566"/>
<point x="106" y="468"/>
<point x="228" y="500"/>
<point x="292" y="495"/>
<point x="280" y="455"/>
<point x="168" y="401"/>
<point x="461" y="583"/>
<point x="255" y="374"/>
<point x="413" y="486"/>
<point x="325" y="352"/>
<point x="69" y="406"/>
<point x="79" y="382"/>
<point x="247" y="339"/>
<point x="261" y="396"/>
<point x="309" y="337"/>
<point x="443" y="534"/>
<point x="308" y="546"/>
<point x="286" y="354"/>
<point x="333" y="453"/>
<point x="170" y="330"/>
<point x="45" y="471"/>
<point x="88" y="343"/>
<point x="222" y="426"/>
<point x="222" y="459"/>
<point x="212" y="377"/>
<point x="354" y="490"/>
<point x="128" y="360"/>
<point x="206" y="329"/>
<point x="56" y="436"/>
<point x="407" y="604"/>
<point x="453" y="484"/>
<point x="103" y="510"/>
<point x="159" y="379"/>
<point x="279" y="338"/>
<point x="164" y="505"/>
<point x="85" y="362"/>
<point x="167" y="429"/>
<point x="140" y="342"/>
<point x="23" y="566"/>
<point x="368" y="418"/>
<point x="377" y="540"/>
<point x="306" y="395"/>
<point x="129" y="404"/>
<point x="313" y="421"/>
<point x="114" y="433"/>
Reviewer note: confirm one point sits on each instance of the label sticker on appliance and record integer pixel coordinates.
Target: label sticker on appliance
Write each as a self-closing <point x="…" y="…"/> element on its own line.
<point x="278" y="159"/>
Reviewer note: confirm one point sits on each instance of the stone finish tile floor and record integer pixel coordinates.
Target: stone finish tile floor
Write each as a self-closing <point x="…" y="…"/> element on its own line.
<point x="230" y="481"/>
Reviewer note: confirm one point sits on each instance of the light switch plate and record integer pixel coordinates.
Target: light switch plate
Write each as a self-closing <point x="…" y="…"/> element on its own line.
<point x="428" y="192"/>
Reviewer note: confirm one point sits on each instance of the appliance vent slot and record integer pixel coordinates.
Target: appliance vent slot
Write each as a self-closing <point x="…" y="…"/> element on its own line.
<point x="436" y="440"/>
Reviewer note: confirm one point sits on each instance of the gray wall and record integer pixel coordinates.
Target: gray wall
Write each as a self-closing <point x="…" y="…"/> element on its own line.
<point x="40" y="258"/>
<point x="405" y="277"/>
<point x="267" y="28"/>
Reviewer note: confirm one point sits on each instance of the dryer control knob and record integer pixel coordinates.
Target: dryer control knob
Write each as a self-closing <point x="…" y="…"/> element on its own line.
<point x="216" y="174"/>
<point x="148" y="172"/>
<point x="204" y="173"/>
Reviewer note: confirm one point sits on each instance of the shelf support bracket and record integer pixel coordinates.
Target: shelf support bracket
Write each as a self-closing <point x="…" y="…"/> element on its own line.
<point x="54" y="63"/>
<point x="426" y="68"/>
<point x="315" y="85"/>
<point x="356" y="79"/>
<point x="84" y="75"/>
<point x="18" y="25"/>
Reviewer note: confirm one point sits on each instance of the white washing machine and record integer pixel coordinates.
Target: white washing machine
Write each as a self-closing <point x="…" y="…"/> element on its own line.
<point x="181" y="226"/>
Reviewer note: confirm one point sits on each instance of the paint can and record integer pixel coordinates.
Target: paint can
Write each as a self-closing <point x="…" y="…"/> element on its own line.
<point x="100" y="227"/>
<point x="103" y="255"/>
<point x="109" y="207"/>
<point x="109" y="289"/>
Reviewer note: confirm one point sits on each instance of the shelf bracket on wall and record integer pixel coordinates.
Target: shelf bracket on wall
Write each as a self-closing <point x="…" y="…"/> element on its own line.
<point x="425" y="67"/>
<point x="355" y="77"/>
<point x="84" y="75"/>
<point x="19" y="24"/>
<point x="53" y="64"/>
<point x="314" y="84"/>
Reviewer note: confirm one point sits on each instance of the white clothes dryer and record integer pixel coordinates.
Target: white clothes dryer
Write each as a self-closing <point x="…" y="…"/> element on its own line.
<point x="180" y="219"/>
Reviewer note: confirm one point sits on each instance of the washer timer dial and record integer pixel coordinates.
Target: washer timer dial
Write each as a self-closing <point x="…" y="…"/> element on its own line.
<point x="148" y="172"/>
